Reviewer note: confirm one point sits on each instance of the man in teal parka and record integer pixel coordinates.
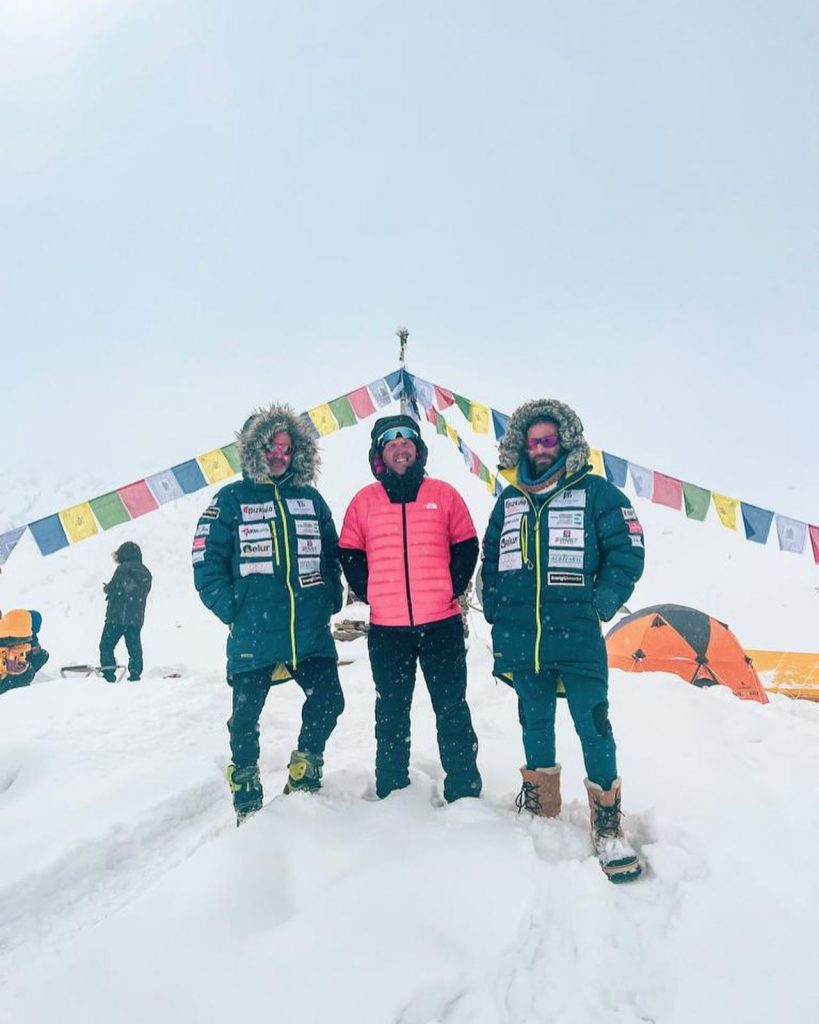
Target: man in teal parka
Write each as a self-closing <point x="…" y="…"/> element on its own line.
<point x="562" y="553"/>
<point x="265" y="562"/>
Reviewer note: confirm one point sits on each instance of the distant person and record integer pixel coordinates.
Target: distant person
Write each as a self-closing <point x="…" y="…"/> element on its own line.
<point x="126" y="593"/>
<point x="408" y="547"/>
<point x="562" y="552"/>
<point x="265" y="562"/>
<point x="21" y="655"/>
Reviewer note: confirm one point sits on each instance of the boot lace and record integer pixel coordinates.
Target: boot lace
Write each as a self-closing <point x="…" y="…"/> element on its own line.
<point x="528" y="799"/>
<point x="607" y="820"/>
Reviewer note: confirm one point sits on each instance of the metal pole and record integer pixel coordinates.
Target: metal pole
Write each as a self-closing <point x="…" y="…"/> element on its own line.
<point x="402" y="334"/>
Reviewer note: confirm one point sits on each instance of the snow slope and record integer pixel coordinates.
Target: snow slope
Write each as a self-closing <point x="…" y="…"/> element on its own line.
<point x="127" y="894"/>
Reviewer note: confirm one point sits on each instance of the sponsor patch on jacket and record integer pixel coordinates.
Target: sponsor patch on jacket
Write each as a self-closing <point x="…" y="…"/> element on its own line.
<point x="254" y="531"/>
<point x="566" y="538"/>
<point x="198" y="556"/>
<point x="202" y="530"/>
<point x="256" y="512"/>
<point x="569" y="499"/>
<point x="431" y="505"/>
<point x="307" y="566"/>
<point x="308" y="545"/>
<point x="510" y="541"/>
<point x="311" y="579"/>
<point x="628" y="513"/>
<point x="256" y="568"/>
<point x="199" y="543"/>
<point x="211" y="512"/>
<point x="301" y="507"/>
<point x="256" y="549"/>
<point x="564" y="579"/>
<point x="636" y="542"/>
<point x="510" y="560"/>
<point x="512" y="522"/>
<point x="566" y="559"/>
<point x="634" y="527"/>
<point x="307" y="527"/>
<point x="566" y="517"/>
<point x="512" y="505"/>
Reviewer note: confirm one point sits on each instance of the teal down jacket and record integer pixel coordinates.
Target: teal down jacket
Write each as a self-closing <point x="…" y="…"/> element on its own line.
<point x="265" y="561"/>
<point x="553" y="570"/>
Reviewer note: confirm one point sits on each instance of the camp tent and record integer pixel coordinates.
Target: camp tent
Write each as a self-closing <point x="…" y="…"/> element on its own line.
<point x="689" y="643"/>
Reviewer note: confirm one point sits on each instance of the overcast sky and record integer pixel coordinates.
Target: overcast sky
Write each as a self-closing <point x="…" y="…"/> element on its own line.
<point x="206" y="206"/>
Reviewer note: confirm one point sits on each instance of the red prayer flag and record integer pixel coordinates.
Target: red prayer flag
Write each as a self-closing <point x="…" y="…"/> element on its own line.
<point x="443" y="397"/>
<point x="814" y="542"/>
<point x="432" y="415"/>
<point x="137" y="498"/>
<point x="667" y="491"/>
<point x="476" y="464"/>
<point x="361" y="402"/>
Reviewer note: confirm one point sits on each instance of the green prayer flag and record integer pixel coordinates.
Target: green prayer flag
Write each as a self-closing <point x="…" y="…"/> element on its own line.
<point x="343" y="411"/>
<point x="230" y="453"/>
<point x="697" y="500"/>
<point x="464" y="405"/>
<point x="440" y="423"/>
<point x="483" y="473"/>
<point x="109" y="510"/>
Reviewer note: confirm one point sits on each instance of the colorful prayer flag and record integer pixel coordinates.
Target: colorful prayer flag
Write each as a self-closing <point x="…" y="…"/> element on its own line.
<point x="189" y="476"/>
<point x="814" y="541"/>
<point x="643" y="480"/>
<point x="697" y="500"/>
<point x="215" y="466"/>
<point x="362" y="403"/>
<point x="464" y="405"/>
<point x="49" y="534"/>
<point x="596" y="460"/>
<point x="380" y="391"/>
<point x="480" y="418"/>
<point x="667" y="491"/>
<point x="109" y="510"/>
<point x="8" y="542"/>
<point x="757" y="522"/>
<point x="616" y="469"/>
<point x="323" y="419"/>
<point x="232" y="455"/>
<point x="138" y="499"/>
<point x="343" y="411"/>
<point x="726" y="509"/>
<point x="443" y="397"/>
<point x="792" y="534"/>
<point x="164" y="487"/>
<point x="79" y="522"/>
<point x="500" y="423"/>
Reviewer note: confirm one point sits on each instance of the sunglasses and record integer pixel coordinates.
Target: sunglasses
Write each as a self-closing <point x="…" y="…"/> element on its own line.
<point x="394" y="433"/>
<point x="280" y="449"/>
<point x="542" y="442"/>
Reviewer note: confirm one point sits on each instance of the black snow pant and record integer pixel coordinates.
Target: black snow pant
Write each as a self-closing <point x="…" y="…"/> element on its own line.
<point x="394" y="655"/>
<point x="324" y="702"/>
<point x="112" y="633"/>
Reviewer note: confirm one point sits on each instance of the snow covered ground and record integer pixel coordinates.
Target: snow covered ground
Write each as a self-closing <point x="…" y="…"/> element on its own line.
<point x="128" y="895"/>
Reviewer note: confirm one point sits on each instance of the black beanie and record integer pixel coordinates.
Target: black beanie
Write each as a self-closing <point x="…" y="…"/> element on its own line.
<point x="386" y="423"/>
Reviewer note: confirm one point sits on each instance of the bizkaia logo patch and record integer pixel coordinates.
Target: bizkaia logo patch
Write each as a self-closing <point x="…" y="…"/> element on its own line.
<point x="262" y="510"/>
<point x="254" y="531"/>
<point x="513" y="505"/>
<point x="565" y="579"/>
<point x="257" y="549"/>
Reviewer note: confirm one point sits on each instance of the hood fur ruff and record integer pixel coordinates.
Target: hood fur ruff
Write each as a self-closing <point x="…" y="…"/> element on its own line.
<point x="569" y="428"/>
<point x="258" y="431"/>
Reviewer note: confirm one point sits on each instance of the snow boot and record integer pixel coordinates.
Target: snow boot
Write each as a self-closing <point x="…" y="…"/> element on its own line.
<point x="617" y="858"/>
<point x="304" y="772"/>
<point x="246" y="787"/>
<point x="540" y="793"/>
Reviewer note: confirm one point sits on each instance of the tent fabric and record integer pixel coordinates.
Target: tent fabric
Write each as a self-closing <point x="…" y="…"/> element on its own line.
<point x="686" y="642"/>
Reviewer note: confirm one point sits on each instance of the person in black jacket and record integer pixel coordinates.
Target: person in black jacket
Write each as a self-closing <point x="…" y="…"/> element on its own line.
<point x="126" y="593"/>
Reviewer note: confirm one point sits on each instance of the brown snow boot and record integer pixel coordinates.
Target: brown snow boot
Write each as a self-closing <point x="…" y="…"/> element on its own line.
<point x="616" y="855"/>
<point x="540" y="792"/>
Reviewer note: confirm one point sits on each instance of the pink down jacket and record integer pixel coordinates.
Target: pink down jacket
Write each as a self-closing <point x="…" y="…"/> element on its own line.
<point x="407" y="548"/>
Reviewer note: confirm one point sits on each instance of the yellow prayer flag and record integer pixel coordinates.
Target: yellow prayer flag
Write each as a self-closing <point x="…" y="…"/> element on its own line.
<point x="323" y="417"/>
<point x="453" y="434"/>
<point x="596" y="459"/>
<point x="215" y="466"/>
<point x="480" y="418"/>
<point x="726" y="509"/>
<point x="79" y="522"/>
<point x="490" y="485"/>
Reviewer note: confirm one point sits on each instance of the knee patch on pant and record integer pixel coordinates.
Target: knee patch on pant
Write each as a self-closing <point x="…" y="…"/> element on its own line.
<point x="600" y="716"/>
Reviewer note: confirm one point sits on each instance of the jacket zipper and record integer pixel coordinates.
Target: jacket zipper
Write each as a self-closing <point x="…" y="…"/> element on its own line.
<point x="406" y="561"/>
<point x="289" y="584"/>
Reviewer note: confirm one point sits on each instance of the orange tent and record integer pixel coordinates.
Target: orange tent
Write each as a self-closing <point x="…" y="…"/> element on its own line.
<point x="687" y="642"/>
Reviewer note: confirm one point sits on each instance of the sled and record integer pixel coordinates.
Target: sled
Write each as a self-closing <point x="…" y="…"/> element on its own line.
<point x="91" y="670"/>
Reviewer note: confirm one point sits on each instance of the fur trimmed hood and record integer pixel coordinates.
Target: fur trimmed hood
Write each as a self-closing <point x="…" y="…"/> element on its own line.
<point x="569" y="428"/>
<point x="258" y="431"/>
